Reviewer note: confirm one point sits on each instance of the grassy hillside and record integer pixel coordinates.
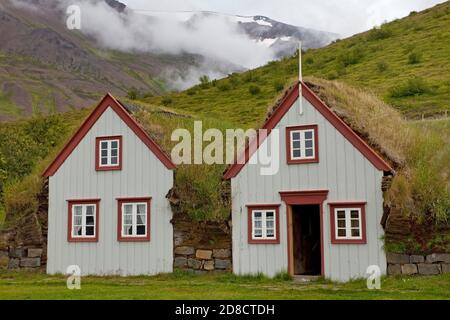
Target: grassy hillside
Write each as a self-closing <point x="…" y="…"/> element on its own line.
<point x="406" y="63"/>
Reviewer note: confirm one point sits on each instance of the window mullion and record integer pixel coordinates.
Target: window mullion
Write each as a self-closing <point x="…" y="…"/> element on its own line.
<point x="348" y="223"/>
<point x="83" y="220"/>
<point x="264" y="224"/>
<point x="302" y="144"/>
<point x="134" y="220"/>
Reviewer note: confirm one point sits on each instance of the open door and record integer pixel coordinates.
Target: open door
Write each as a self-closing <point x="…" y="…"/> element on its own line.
<point x="306" y="240"/>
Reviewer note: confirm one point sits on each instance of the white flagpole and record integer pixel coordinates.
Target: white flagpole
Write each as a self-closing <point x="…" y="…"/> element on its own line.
<point x="300" y="77"/>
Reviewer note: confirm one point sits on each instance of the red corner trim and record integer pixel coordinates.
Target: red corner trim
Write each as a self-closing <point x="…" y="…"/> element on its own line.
<point x="121" y="201"/>
<point x="345" y="205"/>
<point x="337" y="122"/>
<point x="107" y="101"/>
<point x="97" y="154"/>
<point x="252" y="207"/>
<point x="70" y="204"/>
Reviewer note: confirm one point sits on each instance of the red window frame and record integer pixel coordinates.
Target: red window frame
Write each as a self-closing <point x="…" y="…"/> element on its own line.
<point x="316" y="144"/>
<point x="97" y="154"/>
<point x="120" y="202"/>
<point x="348" y="205"/>
<point x="250" y="209"/>
<point x="70" y="204"/>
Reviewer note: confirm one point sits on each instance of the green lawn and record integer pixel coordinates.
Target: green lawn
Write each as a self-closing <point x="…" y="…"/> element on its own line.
<point x="26" y="285"/>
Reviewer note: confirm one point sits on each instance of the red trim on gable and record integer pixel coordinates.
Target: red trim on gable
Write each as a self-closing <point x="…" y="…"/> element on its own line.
<point x="70" y="204"/>
<point x="289" y="159"/>
<point x="348" y="205"/>
<point x="97" y="154"/>
<point x="337" y="122"/>
<point x="120" y="202"/>
<point x="276" y="208"/>
<point x="107" y="101"/>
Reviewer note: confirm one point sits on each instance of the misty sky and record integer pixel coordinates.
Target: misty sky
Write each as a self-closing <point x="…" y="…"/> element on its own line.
<point x="345" y="17"/>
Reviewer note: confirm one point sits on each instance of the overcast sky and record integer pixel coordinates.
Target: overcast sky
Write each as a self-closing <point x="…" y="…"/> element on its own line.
<point x="345" y="17"/>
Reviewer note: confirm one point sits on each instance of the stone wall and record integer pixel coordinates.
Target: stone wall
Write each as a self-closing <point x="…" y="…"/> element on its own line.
<point x="201" y="247"/>
<point x="405" y="264"/>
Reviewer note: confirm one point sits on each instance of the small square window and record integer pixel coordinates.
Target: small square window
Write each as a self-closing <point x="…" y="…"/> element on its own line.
<point x="301" y="144"/>
<point x="348" y="225"/>
<point x="133" y="218"/>
<point x="263" y="225"/>
<point x="109" y="155"/>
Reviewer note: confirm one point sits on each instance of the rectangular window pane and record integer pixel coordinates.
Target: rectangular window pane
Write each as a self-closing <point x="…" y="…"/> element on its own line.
<point x="127" y="230"/>
<point x="308" y="144"/>
<point x="114" y="152"/>
<point x="270" y="233"/>
<point x="89" y="231"/>
<point x="257" y="214"/>
<point x="78" y="210"/>
<point x="309" y="153"/>
<point x="355" y="224"/>
<point x="308" y="134"/>
<point x="114" y="144"/>
<point x="89" y="210"/>
<point x="140" y="219"/>
<point x="355" y="214"/>
<point x="104" y="153"/>
<point x="296" y="154"/>
<point x="341" y="223"/>
<point x="341" y="214"/>
<point x="104" y="145"/>
<point x="258" y="224"/>
<point x="128" y="219"/>
<point x="128" y="209"/>
<point x="355" y="232"/>
<point x="296" y="144"/>
<point x="114" y="160"/>
<point x="341" y="233"/>
<point x="140" y="230"/>
<point x="296" y="135"/>
<point x="77" y="231"/>
<point x="104" y="161"/>
<point x="258" y="233"/>
<point x="89" y="220"/>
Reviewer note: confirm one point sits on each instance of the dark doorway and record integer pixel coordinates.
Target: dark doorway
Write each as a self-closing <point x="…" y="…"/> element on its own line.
<point x="306" y="239"/>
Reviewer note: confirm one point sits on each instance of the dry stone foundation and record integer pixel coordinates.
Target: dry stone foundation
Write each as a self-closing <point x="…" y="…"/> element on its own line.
<point x="201" y="247"/>
<point x="432" y="264"/>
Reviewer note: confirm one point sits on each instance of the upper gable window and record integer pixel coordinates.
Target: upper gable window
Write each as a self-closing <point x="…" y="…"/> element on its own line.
<point x="302" y="144"/>
<point x="108" y="153"/>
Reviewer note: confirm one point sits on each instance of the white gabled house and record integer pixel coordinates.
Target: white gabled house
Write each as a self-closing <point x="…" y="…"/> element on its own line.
<point x="320" y="214"/>
<point x="108" y="212"/>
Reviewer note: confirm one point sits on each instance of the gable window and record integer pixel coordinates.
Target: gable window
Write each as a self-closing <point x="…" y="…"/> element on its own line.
<point x="83" y="220"/>
<point x="108" y="153"/>
<point x="302" y="144"/>
<point x="134" y="219"/>
<point x="348" y="223"/>
<point x="263" y="224"/>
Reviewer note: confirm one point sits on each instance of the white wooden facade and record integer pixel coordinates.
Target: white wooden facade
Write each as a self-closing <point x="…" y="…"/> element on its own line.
<point x="342" y="170"/>
<point x="142" y="175"/>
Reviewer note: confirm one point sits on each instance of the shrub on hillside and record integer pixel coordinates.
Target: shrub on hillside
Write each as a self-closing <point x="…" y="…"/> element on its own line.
<point x="224" y="86"/>
<point x="352" y="56"/>
<point x="332" y="75"/>
<point x="379" y="34"/>
<point x="166" y="101"/>
<point x="412" y="87"/>
<point x="278" y="86"/>
<point x="382" y="66"/>
<point x="204" y="81"/>
<point x="133" y="94"/>
<point x="254" y="90"/>
<point x="414" y="57"/>
<point x="191" y="92"/>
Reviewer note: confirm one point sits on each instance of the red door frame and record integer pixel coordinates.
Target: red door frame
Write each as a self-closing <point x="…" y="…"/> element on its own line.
<point x="291" y="198"/>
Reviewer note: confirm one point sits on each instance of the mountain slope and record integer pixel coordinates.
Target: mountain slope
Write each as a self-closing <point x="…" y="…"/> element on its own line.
<point x="44" y="67"/>
<point x="406" y="62"/>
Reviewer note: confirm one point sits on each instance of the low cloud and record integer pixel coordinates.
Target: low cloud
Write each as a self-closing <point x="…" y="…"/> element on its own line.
<point x="210" y="36"/>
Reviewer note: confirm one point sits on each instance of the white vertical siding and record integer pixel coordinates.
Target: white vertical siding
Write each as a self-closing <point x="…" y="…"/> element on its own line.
<point x="142" y="175"/>
<point x="342" y="170"/>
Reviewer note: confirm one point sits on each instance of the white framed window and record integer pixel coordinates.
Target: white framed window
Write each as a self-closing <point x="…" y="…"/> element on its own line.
<point x="83" y="220"/>
<point x="348" y="223"/>
<point x="264" y="225"/>
<point x="108" y="153"/>
<point x="134" y="219"/>
<point x="302" y="144"/>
